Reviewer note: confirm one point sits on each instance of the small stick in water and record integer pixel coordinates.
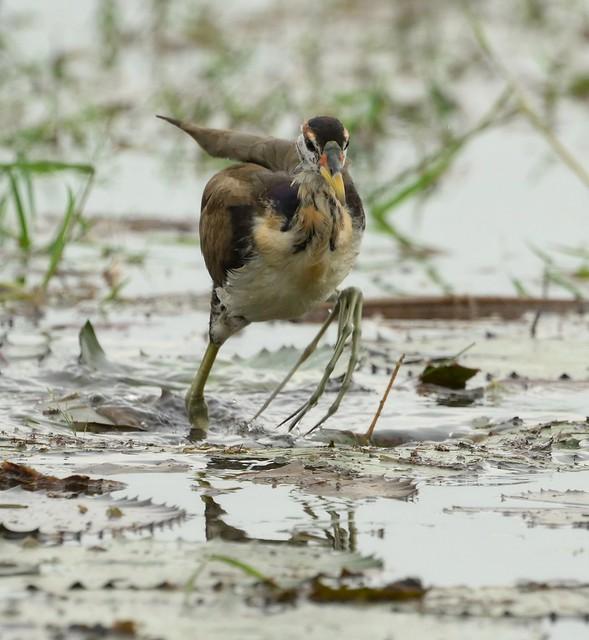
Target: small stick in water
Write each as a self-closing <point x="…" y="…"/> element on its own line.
<point x="385" y="395"/>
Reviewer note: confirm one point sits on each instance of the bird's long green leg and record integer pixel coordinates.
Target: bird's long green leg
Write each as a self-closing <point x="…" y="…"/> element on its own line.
<point x="309" y="349"/>
<point x="353" y="361"/>
<point x="348" y="323"/>
<point x="196" y="406"/>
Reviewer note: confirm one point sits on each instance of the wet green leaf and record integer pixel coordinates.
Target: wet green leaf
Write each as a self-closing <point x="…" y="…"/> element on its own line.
<point x="451" y="376"/>
<point x="91" y="353"/>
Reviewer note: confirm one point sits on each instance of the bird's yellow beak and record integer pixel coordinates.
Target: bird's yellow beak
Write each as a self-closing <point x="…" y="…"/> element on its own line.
<point x="330" y="167"/>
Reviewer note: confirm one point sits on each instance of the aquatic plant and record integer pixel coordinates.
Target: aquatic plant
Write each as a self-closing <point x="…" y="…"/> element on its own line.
<point x="19" y="177"/>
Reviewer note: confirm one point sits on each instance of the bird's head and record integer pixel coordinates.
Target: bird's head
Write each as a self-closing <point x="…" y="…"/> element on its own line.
<point x="322" y="147"/>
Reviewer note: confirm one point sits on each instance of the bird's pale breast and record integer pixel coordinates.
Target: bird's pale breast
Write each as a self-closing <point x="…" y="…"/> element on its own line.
<point x="288" y="277"/>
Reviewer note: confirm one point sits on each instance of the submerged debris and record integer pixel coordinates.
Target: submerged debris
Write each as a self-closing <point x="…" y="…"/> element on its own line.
<point x="322" y="480"/>
<point x="563" y="508"/>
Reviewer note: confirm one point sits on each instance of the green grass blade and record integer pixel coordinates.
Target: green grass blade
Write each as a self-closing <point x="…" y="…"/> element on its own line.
<point x="436" y="277"/>
<point x="28" y="182"/>
<point x="422" y="182"/>
<point x="24" y="237"/>
<point x="45" y="167"/>
<point x="419" y="179"/>
<point x="3" y="209"/>
<point x="59" y="243"/>
<point x="565" y="283"/>
<point x="519" y="287"/>
<point x="242" y="566"/>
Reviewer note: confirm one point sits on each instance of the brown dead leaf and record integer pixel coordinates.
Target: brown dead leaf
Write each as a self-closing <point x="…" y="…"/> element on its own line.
<point x="401" y="590"/>
<point x="21" y="475"/>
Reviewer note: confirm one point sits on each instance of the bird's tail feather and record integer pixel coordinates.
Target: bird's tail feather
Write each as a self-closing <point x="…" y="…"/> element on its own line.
<point x="273" y="153"/>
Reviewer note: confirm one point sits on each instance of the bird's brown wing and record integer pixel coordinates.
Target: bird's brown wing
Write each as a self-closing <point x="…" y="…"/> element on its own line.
<point x="273" y="153"/>
<point x="233" y="200"/>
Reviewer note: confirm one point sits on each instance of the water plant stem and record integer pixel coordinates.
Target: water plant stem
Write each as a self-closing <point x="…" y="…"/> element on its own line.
<point x="368" y="435"/>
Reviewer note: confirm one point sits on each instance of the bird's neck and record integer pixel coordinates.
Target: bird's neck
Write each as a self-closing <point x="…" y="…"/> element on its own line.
<point x="320" y="215"/>
<point x="314" y="191"/>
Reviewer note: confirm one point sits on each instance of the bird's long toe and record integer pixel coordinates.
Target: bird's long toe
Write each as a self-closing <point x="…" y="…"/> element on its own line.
<point x="350" y="316"/>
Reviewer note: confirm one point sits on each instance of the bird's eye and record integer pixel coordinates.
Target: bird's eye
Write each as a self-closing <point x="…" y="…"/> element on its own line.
<point x="309" y="145"/>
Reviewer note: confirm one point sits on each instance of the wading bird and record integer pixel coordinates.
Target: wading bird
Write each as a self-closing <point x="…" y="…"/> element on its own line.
<point x="279" y="232"/>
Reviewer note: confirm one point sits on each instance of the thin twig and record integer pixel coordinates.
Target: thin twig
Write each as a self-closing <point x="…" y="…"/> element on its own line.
<point x="524" y="104"/>
<point x="383" y="400"/>
<point x="463" y="351"/>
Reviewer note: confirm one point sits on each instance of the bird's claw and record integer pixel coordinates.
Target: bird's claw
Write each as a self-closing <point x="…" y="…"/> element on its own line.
<point x="349" y="311"/>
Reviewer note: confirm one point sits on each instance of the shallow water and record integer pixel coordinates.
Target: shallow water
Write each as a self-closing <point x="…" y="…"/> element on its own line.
<point x="463" y="521"/>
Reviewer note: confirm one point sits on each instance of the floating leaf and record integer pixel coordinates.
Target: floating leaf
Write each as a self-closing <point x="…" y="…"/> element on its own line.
<point x="18" y="569"/>
<point x="51" y="517"/>
<point x="562" y="508"/>
<point x="399" y="591"/>
<point x="91" y="352"/>
<point x="451" y="376"/>
<point x="95" y="416"/>
<point x="20" y="475"/>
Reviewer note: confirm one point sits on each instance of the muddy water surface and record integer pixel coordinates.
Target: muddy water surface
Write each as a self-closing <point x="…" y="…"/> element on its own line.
<point x="453" y="496"/>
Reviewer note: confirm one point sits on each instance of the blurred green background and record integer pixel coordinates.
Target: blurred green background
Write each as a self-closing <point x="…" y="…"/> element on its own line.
<point x="468" y="123"/>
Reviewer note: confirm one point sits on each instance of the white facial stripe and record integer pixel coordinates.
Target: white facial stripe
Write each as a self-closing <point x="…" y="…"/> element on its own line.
<point x="310" y="158"/>
<point x="307" y="156"/>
